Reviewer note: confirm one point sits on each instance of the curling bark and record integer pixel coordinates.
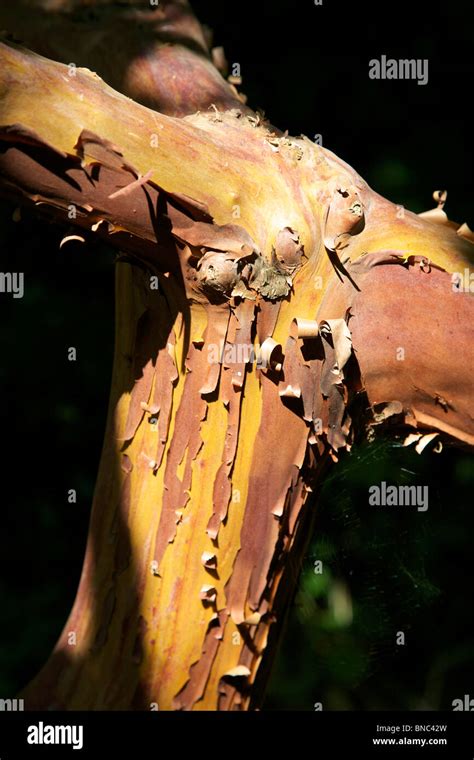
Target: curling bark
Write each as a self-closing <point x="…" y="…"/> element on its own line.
<point x="330" y="317"/>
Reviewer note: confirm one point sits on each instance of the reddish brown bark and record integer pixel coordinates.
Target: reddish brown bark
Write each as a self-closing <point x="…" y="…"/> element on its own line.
<point x="258" y="241"/>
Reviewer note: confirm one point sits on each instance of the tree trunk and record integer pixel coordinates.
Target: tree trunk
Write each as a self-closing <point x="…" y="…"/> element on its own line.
<point x="270" y="307"/>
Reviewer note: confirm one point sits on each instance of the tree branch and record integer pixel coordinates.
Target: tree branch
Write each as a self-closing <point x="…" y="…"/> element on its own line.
<point x="284" y="249"/>
<point x="158" y="56"/>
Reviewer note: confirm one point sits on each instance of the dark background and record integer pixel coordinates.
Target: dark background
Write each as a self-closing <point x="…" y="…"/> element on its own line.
<point x="385" y="570"/>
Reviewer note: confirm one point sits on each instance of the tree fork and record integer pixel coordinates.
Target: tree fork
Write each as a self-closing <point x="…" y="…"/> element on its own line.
<point x="274" y="256"/>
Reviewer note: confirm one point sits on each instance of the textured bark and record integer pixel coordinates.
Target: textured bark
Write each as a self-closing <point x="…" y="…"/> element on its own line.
<point x="286" y="289"/>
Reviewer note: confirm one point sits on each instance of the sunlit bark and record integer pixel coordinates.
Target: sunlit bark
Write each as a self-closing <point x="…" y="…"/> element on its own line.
<point x="270" y="308"/>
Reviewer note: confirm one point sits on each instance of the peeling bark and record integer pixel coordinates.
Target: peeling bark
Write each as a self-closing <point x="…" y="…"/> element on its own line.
<point x="249" y="361"/>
